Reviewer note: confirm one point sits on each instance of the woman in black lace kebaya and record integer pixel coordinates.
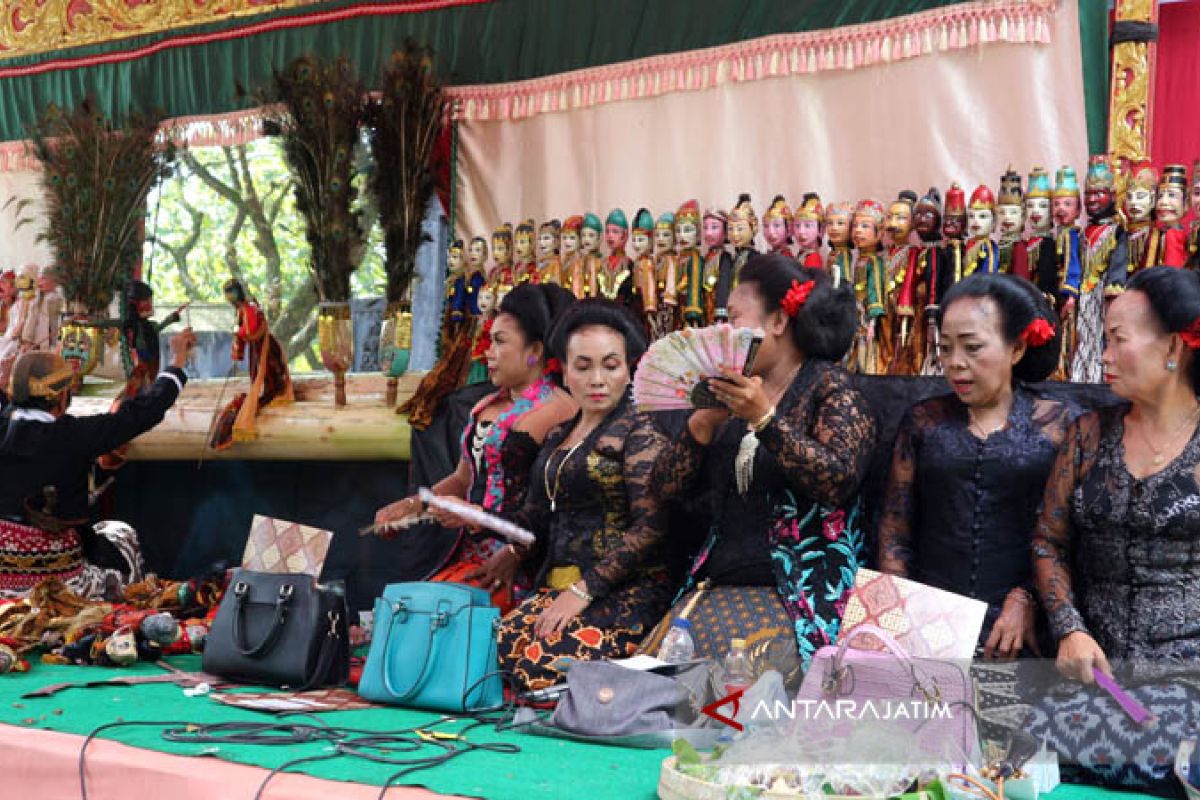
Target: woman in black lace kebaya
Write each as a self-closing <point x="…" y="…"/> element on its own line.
<point x="969" y="468"/>
<point x="781" y="469"/>
<point x="505" y="431"/>
<point x="1117" y="544"/>
<point x="599" y="523"/>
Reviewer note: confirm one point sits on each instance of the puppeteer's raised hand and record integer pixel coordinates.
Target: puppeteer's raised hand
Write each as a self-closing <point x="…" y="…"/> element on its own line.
<point x="182" y="344"/>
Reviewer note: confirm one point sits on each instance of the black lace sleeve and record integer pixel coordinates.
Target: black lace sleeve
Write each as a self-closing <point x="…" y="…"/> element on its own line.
<point x="677" y="472"/>
<point x="827" y="461"/>
<point x="899" y="503"/>
<point x="643" y="445"/>
<point x="1052" y="535"/>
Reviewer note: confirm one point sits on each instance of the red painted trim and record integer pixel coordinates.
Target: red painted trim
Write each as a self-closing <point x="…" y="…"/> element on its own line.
<point x="266" y="26"/>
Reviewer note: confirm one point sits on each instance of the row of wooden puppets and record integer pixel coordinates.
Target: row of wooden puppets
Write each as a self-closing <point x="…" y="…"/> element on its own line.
<point x="900" y="257"/>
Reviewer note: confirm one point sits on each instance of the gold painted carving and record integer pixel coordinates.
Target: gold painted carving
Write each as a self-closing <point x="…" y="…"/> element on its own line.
<point x="1131" y="91"/>
<point x="29" y="27"/>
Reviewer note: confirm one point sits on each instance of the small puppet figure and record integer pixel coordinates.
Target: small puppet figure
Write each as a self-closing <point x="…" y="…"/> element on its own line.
<point x="140" y="336"/>
<point x="43" y="319"/>
<point x="270" y="380"/>
<point x="8" y="297"/>
<point x="1066" y="207"/>
<point x="1010" y="218"/>
<point x="931" y="281"/>
<point x="741" y="228"/>
<point x="574" y="278"/>
<point x="954" y="227"/>
<point x="982" y="253"/>
<point x="776" y="225"/>
<point x="870" y="289"/>
<point x="1193" y="242"/>
<point x="612" y="278"/>
<point x="1036" y="257"/>
<point x="840" y="260"/>
<point x="897" y="325"/>
<point x="502" y="277"/>
<point x="591" y="262"/>
<point x="11" y="343"/>
<point x="645" y="289"/>
<point x="1139" y="213"/>
<point x="691" y="265"/>
<point x="807" y="229"/>
<point x="525" y="262"/>
<point x="717" y="262"/>
<point x="1168" y="243"/>
<point x="666" y="274"/>
<point x="549" y="265"/>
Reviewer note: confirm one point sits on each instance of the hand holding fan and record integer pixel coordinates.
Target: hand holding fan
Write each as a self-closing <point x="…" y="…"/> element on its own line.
<point x="672" y="373"/>
<point x="481" y="519"/>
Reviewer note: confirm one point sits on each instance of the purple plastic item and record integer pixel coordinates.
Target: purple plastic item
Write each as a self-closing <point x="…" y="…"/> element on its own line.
<point x="1136" y="711"/>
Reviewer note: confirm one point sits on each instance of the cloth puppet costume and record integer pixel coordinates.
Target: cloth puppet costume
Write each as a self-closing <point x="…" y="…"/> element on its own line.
<point x="691" y="264"/>
<point x="901" y="264"/>
<point x="776" y="225"/>
<point x="573" y="276"/>
<point x="717" y="262"/>
<point x="46" y="456"/>
<point x="872" y="350"/>
<point x="1138" y="206"/>
<point x="1105" y="269"/>
<point x="933" y="279"/>
<point x="11" y="342"/>
<point x="43" y="322"/>
<point x="1193" y="245"/>
<point x="840" y="260"/>
<point x="666" y="275"/>
<point x="524" y="261"/>
<point x="954" y="227"/>
<point x="741" y="227"/>
<point x="270" y="381"/>
<point x="807" y="229"/>
<point x="1010" y="219"/>
<point x="612" y="278"/>
<point x="591" y="263"/>
<point x="1168" y="242"/>
<point x="1035" y="257"/>
<point x="549" y="265"/>
<point x="8" y="296"/>
<point x="1065" y="205"/>
<point x="982" y="253"/>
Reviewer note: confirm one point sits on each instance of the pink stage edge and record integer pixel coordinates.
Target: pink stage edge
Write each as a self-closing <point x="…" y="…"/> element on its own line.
<point x="44" y="764"/>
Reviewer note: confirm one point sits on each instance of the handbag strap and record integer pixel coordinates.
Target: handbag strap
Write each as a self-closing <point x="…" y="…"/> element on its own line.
<point x="883" y="636"/>
<point x="437" y="619"/>
<point x="241" y="591"/>
<point x="329" y="649"/>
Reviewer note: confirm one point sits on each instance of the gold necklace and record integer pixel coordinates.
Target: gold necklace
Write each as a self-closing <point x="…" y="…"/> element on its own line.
<point x="1158" y="456"/>
<point x="552" y="494"/>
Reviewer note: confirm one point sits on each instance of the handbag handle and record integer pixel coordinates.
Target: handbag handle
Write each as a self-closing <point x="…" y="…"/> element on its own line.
<point x="883" y="636"/>
<point x="438" y="619"/>
<point x="240" y="592"/>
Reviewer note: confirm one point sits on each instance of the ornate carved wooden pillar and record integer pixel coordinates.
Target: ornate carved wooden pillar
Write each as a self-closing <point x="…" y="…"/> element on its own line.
<point x="1131" y="93"/>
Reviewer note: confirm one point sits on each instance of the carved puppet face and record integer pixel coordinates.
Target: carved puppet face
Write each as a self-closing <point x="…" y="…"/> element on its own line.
<point x="687" y="236"/>
<point x="8" y="288"/>
<point x="1098" y="202"/>
<point x="1038" y="211"/>
<point x="954" y="225"/>
<point x="837" y="228"/>
<point x="927" y="221"/>
<point x="980" y="222"/>
<point x="1066" y="210"/>
<point x="807" y="233"/>
<point x="1139" y="204"/>
<point x="47" y="281"/>
<point x="1010" y="218"/>
<point x="641" y="242"/>
<point x="454" y="260"/>
<point x="1196" y="191"/>
<point x="664" y="238"/>
<point x="477" y="254"/>
<point x="487" y="301"/>
<point x="741" y="233"/>
<point x="775" y="231"/>
<point x="615" y="237"/>
<point x="500" y="250"/>
<point x="1170" y="205"/>
<point x="523" y="245"/>
<point x="589" y="240"/>
<point x="899" y="222"/>
<point x="547" y="243"/>
<point x="866" y="232"/>
<point x="570" y="243"/>
<point x="714" y="232"/>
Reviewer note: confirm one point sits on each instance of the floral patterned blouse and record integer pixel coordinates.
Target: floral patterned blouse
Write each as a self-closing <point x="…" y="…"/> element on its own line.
<point x="607" y="520"/>
<point x="799" y="517"/>
<point x="1118" y="557"/>
<point x="959" y="510"/>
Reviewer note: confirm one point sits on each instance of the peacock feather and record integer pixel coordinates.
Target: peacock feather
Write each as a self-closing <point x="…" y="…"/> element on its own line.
<point x="96" y="176"/>
<point x="322" y="108"/>
<point x="404" y="124"/>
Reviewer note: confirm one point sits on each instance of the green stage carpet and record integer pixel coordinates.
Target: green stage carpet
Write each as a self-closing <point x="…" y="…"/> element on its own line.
<point x="545" y="768"/>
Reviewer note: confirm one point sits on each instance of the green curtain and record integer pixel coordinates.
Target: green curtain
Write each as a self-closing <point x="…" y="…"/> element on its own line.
<point x="1093" y="42"/>
<point x="494" y="42"/>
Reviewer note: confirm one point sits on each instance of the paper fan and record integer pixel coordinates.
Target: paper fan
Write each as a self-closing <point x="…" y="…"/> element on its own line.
<point x="672" y="373"/>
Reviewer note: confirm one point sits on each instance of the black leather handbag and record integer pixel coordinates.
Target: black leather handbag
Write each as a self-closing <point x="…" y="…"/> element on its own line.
<point x="280" y="630"/>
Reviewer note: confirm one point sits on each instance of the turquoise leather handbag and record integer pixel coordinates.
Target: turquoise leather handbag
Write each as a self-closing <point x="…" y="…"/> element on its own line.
<point x="434" y="648"/>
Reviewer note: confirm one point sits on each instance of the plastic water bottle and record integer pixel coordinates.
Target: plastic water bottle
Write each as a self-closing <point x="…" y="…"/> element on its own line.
<point x="677" y="646"/>
<point x="738" y="674"/>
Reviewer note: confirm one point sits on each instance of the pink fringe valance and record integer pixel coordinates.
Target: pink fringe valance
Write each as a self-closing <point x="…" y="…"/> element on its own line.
<point x="953" y="27"/>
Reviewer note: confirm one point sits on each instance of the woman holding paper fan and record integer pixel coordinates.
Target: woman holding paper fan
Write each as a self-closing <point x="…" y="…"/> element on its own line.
<point x="603" y="581"/>
<point x="502" y="438"/>
<point x="1115" y="554"/>
<point x="782" y="459"/>
<point x="969" y="467"/>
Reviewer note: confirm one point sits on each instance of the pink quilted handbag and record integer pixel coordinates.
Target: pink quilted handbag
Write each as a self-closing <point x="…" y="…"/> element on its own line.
<point x="933" y="700"/>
